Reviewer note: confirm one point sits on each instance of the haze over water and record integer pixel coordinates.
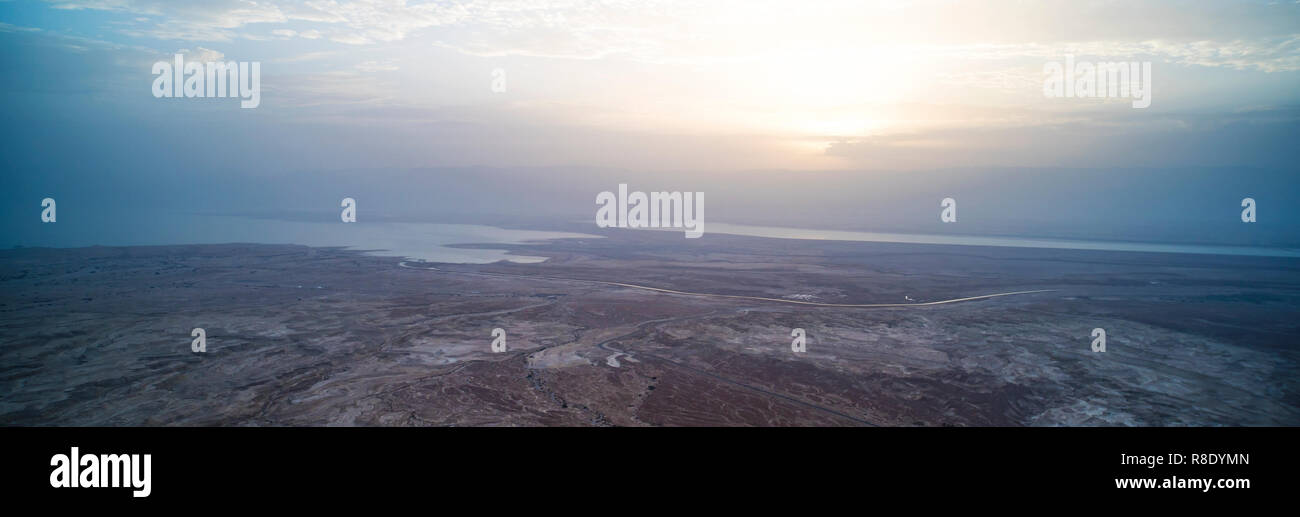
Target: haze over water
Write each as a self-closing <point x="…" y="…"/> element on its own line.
<point x="429" y="241"/>
<point x="421" y="241"/>
<point x="1014" y="242"/>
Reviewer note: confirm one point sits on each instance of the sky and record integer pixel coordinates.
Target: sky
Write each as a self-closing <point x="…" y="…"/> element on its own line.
<point x="729" y="92"/>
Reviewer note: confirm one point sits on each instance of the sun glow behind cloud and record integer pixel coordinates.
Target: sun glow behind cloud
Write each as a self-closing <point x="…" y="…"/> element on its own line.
<point x="720" y="84"/>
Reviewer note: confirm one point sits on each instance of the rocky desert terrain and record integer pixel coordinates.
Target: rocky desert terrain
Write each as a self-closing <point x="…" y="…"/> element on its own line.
<point x="320" y="336"/>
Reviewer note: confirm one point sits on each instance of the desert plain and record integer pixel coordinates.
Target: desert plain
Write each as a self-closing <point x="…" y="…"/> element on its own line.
<point x="299" y="336"/>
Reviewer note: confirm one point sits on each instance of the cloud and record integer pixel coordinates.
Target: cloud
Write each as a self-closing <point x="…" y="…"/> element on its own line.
<point x="6" y="27"/>
<point x="362" y="21"/>
<point x="377" y="66"/>
<point x="1239" y="35"/>
<point x="734" y="82"/>
<point x="1276" y="54"/>
<point x="203" y="55"/>
<point x="214" y="20"/>
<point x="1253" y="137"/>
<point x="308" y="56"/>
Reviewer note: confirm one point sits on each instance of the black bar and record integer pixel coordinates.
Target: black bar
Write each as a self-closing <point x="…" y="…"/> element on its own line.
<point x="324" y="466"/>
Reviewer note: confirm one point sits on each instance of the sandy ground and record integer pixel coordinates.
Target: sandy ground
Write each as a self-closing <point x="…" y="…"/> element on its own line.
<point x="303" y="336"/>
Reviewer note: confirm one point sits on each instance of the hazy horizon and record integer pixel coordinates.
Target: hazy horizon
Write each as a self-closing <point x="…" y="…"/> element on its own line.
<point x="856" y="116"/>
